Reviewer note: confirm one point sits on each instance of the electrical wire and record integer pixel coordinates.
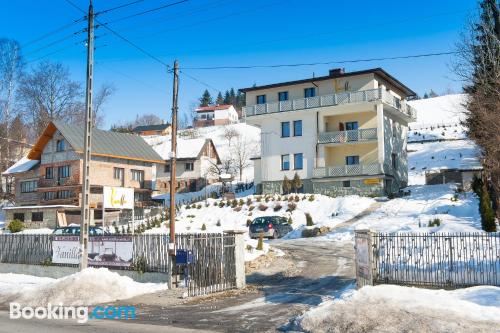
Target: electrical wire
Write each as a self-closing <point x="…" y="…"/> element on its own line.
<point x="105" y="11"/>
<point x="53" y="32"/>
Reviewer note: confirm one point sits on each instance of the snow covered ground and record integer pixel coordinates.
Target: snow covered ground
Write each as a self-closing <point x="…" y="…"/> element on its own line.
<point x="406" y="309"/>
<point x="88" y="287"/>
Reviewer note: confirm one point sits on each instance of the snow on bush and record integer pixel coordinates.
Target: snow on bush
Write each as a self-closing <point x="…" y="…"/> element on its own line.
<point x="88" y="287"/>
<point x="406" y="309"/>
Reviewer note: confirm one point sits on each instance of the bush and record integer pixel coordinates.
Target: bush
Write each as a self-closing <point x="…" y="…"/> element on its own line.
<point x="140" y="265"/>
<point x="290" y="221"/>
<point x="290" y="198"/>
<point x="249" y="222"/>
<point x="199" y="206"/>
<point x="296" y="198"/>
<point x="249" y="202"/>
<point x="234" y="203"/>
<point x="260" y="243"/>
<point x="249" y="248"/>
<point x="311" y="197"/>
<point x="250" y="208"/>
<point x="434" y="223"/>
<point x="237" y="209"/>
<point x="277" y="207"/>
<point x="262" y="207"/>
<point x="258" y="199"/>
<point x="241" y="202"/>
<point x="218" y="223"/>
<point x="15" y="226"/>
<point x="266" y="199"/>
<point x="188" y="206"/>
<point x="203" y="227"/>
<point x="221" y="204"/>
<point x="309" y="220"/>
<point x="485" y="208"/>
<point x="291" y="207"/>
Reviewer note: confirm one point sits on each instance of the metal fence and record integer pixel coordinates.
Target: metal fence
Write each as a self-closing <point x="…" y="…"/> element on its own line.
<point x="435" y="260"/>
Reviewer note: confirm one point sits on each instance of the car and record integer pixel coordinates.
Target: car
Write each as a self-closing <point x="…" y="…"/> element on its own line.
<point x="75" y="231"/>
<point x="269" y="226"/>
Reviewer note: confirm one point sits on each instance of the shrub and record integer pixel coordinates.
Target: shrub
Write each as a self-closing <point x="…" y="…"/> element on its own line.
<point x="277" y="207"/>
<point x="311" y="197"/>
<point x="290" y="221"/>
<point x="260" y="243"/>
<point x="221" y="204"/>
<point x="434" y="223"/>
<point x="218" y="223"/>
<point x="249" y="201"/>
<point x="241" y="202"/>
<point x="266" y="199"/>
<point x="250" y="208"/>
<point x="249" y="222"/>
<point x="117" y="231"/>
<point x="258" y="199"/>
<point x="15" y="226"/>
<point x="237" y="209"/>
<point x="250" y="214"/>
<point x="249" y="248"/>
<point x="286" y="185"/>
<point x="234" y="203"/>
<point x="291" y="207"/>
<point x="199" y="206"/>
<point x="262" y="207"/>
<point x="296" y="198"/>
<point x="486" y="210"/>
<point x="203" y="227"/>
<point x="128" y="229"/>
<point x="309" y="220"/>
<point x="140" y="265"/>
<point x="290" y="198"/>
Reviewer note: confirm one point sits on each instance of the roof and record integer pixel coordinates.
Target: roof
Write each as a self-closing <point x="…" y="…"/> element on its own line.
<point x="377" y="71"/>
<point x="159" y="127"/>
<point x="104" y="143"/>
<point x="23" y="165"/>
<point x="214" y="107"/>
<point x="40" y="207"/>
<point x="186" y="148"/>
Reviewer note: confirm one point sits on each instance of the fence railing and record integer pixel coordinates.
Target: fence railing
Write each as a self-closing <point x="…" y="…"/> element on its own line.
<point x="351" y="136"/>
<point x="435" y="260"/>
<point x="348" y="170"/>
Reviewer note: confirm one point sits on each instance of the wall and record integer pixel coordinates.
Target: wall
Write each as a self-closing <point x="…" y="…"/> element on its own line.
<point x="395" y="141"/>
<point x="49" y="217"/>
<point x="365" y="120"/>
<point x="30" y="198"/>
<point x="368" y="153"/>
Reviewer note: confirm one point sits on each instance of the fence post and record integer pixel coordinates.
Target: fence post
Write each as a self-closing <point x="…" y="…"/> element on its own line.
<point x="363" y="246"/>
<point x="239" y="257"/>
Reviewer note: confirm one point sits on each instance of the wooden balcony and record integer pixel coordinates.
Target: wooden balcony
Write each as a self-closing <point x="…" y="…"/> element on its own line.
<point x="348" y="170"/>
<point x="70" y="181"/>
<point x="352" y="136"/>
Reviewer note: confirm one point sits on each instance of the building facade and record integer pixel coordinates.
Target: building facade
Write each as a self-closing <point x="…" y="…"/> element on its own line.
<point x="147" y="130"/>
<point x="215" y="115"/>
<point x="344" y="133"/>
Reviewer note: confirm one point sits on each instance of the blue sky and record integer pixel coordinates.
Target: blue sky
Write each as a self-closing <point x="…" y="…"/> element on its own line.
<point x="221" y="32"/>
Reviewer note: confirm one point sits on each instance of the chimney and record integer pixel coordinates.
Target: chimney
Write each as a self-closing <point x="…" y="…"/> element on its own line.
<point x="337" y="71"/>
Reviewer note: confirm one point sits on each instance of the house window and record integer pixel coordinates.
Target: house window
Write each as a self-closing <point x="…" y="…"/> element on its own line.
<point x="19" y="216"/>
<point x="49" y="195"/>
<point x="261" y="99"/>
<point x="285" y="162"/>
<point x="60" y="145"/>
<point x="297" y="128"/>
<point x="394" y="161"/>
<point x="351" y="125"/>
<point x="65" y="194"/>
<point x="118" y="173"/>
<point x="283" y="96"/>
<point x="49" y="173"/>
<point x="346" y="86"/>
<point x="346" y="183"/>
<point x="285" y="129"/>
<point x="37" y="217"/>
<point x="298" y="163"/>
<point x="166" y="168"/>
<point x="63" y="171"/>
<point x="139" y="196"/>
<point x="189" y="166"/>
<point x="138" y="175"/>
<point x="352" y="160"/>
<point x="309" y="92"/>
<point x="28" y="186"/>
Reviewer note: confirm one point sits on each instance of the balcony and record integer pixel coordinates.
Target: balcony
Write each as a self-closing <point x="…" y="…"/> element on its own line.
<point x="348" y="170"/>
<point x="71" y="181"/>
<point x="372" y="95"/>
<point x="353" y="136"/>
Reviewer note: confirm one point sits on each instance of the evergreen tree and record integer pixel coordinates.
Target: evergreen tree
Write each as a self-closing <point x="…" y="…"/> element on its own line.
<point x="426" y="95"/>
<point x="296" y="182"/>
<point x="206" y="98"/>
<point x="432" y="93"/>
<point x="227" y="98"/>
<point x="232" y="97"/>
<point x="220" y="99"/>
<point x="287" y="185"/>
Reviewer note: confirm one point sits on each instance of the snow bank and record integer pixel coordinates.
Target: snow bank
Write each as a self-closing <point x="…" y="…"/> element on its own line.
<point x="439" y="110"/>
<point x="88" y="287"/>
<point x="406" y="309"/>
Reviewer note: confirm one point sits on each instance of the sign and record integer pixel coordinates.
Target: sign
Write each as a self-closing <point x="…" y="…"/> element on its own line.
<point x="109" y="251"/>
<point x="118" y="197"/>
<point x="371" y="181"/>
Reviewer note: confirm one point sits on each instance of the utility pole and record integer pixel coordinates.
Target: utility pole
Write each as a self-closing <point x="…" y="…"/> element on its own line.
<point x="171" y="245"/>
<point x="84" y="227"/>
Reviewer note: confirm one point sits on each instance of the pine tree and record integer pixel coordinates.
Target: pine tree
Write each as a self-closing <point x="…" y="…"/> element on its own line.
<point x="296" y="182"/>
<point x="287" y="185"/>
<point x="232" y="97"/>
<point x="227" y="98"/>
<point x="220" y="99"/>
<point x="206" y="99"/>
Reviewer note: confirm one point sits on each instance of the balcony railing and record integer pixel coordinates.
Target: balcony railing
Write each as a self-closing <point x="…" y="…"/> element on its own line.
<point x="352" y="136"/>
<point x="71" y="181"/>
<point x="371" y="95"/>
<point x="348" y="170"/>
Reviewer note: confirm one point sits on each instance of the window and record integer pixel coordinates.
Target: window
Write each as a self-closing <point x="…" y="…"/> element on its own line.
<point x="118" y="173"/>
<point x="63" y="171"/>
<point x="65" y="194"/>
<point x="351" y="125"/>
<point x="139" y="196"/>
<point x="189" y="166"/>
<point x="283" y="96"/>
<point x="309" y="92"/>
<point x="297" y="128"/>
<point x="37" y="217"/>
<point x="138" y="175"/>
<point x="19" y="216"/>
<point x="49" y="173"/>
<point x="167" y="168"/>
<point x="49" y="195"/>
<point x="352" y="160"/>
<point x="298" y="163"/>
<point x="346" y="86"/>
<point x="346" y="183"/>
<point x="261" y="99"/>
<point x="394" y="161"/>
<point x="60" y="145"/>
<point x="285" y="162"/>
<point x="285" y="129"/>
<point x="28" y="186"/>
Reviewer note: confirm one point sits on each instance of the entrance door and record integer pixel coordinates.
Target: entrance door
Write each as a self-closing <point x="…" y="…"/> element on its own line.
<point x="353" y="127"/>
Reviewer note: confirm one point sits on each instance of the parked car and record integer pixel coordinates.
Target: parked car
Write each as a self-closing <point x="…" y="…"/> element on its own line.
<point x="269" y="226"/>
<point x="75" y="231"/>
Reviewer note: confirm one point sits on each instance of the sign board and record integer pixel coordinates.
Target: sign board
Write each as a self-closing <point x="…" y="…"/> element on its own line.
<point x="371" y="181"/>
<point x="109" y="251"/>
<point x="118" y="197"/>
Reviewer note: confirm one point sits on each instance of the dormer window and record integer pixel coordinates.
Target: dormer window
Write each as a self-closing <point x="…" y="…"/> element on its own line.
<point x="60" y="145"/>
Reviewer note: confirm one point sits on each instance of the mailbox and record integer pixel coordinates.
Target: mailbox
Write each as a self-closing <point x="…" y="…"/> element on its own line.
<point x="184" y="257"/>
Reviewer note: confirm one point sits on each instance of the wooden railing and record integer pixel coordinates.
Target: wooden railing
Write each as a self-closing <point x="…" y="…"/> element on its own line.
<point x="366" y="134"/>
<point x="371" y="95"/>
<point x="348" y="170"/>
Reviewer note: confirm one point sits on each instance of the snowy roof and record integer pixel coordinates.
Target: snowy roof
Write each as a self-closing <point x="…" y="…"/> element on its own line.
<point x="214" y="107"/>
<point x="23" y="165"/>
<point x="186" y="148"/>
<point x="448" y="109"/>
<point x="40" y="206"/>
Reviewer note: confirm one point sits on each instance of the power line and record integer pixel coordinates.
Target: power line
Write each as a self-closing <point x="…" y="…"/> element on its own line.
<point x="53" y="32"/>
<point x="199" y="81"/>
<point x="323" y="63"/>
<point x="62" y="39"/>
<point x="56" y="51"/>
<point x="105" y="11"/>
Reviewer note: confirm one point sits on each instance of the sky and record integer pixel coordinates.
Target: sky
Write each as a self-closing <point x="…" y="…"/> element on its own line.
<point x="208" y="33"/>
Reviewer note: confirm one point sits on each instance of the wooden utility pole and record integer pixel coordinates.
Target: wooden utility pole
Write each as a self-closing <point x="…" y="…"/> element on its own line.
<point x="84" y="227"/>
<point x="173" y="156"/>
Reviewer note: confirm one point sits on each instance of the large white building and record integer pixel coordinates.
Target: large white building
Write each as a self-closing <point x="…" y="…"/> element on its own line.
<point x="342" y="133"/>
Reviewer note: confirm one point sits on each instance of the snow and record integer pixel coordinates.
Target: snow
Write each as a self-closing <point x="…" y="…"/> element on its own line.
<point x="405" y="309"/>
<point x="88" y="287"/>
<point x="186" y="148"/>
<point x="447" y="109"/>
<point x="24" y="164"/>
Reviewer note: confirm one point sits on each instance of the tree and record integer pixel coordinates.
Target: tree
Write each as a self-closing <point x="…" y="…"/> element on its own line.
<point x="227" y="98"/>
<point x="206" y="99"/>
<point x="296" y="182"/>
<point x="100" y="99"/>
<point x="220" y="99"/>
<point x="287" y="185"/>
<point x="242" y="151"/>
<point x="478" y="64"/>
<point x="147" y="120"/>
<point x="229" y="134"/>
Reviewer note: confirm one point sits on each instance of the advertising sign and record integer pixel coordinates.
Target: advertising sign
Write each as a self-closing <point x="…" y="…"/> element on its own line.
<point x="118" y="197"/>
<point x="109" y="251"/>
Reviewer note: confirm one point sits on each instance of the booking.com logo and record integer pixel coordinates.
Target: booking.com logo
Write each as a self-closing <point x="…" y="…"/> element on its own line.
<point x="80" y="313"/>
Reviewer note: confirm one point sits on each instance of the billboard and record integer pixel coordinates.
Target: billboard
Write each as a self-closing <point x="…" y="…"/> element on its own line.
<point x="118" y="197"/>
<point x="109" y="251"/>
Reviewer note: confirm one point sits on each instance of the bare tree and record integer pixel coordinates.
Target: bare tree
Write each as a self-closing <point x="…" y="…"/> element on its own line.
<point x="241" y="152"/>
<point x="216" y="170"/>
<point x="147" y="119"/>
<point x="100" y="99"/>
<point x="230" y="133"/>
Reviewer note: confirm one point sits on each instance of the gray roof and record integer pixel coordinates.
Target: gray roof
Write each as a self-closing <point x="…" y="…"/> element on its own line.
<point x="158" y="127"/>
<point x="109" y="143"/>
